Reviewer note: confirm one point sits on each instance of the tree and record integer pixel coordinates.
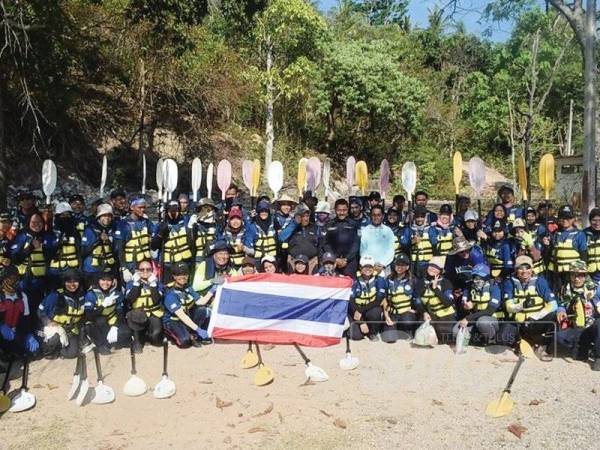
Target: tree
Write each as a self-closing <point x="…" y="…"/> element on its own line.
<point x="380" y="12"/>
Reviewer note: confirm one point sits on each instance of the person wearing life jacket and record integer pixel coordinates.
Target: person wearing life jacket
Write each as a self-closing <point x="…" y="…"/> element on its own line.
<point x="566" y="245"/>
<point x="393" y="220"/>
<point x="133" y="238"/>
<point x="119" y="203"/>
<point x="497" y="213"/>
<point x="186" y="318"/>
<point x="434" y="299"/>
<point x="184" y="206"/>
<point x="30" y="252"/>
<point x="97" y="248"/>
<point x="444" y="230"/>
<point x="357" y="215"/>
<point x="481" y="306"/>
<point x="507" y="200"/>
<point x="105" y="315"/>
<point x="497" y="251"/>
<point x="421" y="239"/>
<point x="283" y="217"/>
<point x="378" y="239"/>
<point x="592" y="234"/>
<point x="174" y="239"/>
<point x="525" y="242"/>
<point x="366" y="300"/>
<point x="398" y="313"/>
<point x="263" y="236"/>
<point x="422" y="199"/>
<point x="25" y="208"/>
<point x="398" y="203"/>
<point x="531" y="306"/>
<point x="143" y="301"/>
<point x="62" y="316"/>
<point x="204" y="227"/>
<point x="68" y="244"/>
<point x="231" y="200"/>
<point x="16" y="324"/>
<point x="470" y="228"/>
<point x="462" y="206"/>
<point x="77" y="203"/>
<point x="7" y="235"/>
<point x="342" y="240"/>
<point x="578" y="315"/>
<point x="215" y="268"/>
<point x="532" y="224"/>
<point x="235" y="235"/>
<point x="305" y="239"/>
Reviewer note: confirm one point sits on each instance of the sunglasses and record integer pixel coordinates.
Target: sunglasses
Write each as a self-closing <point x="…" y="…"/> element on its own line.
<point x="145" y="269"/>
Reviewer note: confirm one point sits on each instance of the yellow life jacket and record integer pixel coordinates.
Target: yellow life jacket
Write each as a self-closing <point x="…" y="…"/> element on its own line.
<point x="186" y="300"/>
<point x="434" y="305"/>
<point x="145" y="302"/>
<point x="109" y="312"/>
<point x="80" y="227"/>
<point x="176" y="246"/>
<point x="564" y="253"/>
<point x="520" y="295"/>
<point x="481" y="300"/>
<point x="237" y="256"/>
<point x="368" y="292"/>
<point x="496" y="264"/>
<point x="68" y="311"/>
<point x="593" y="263"/>
<point x="204" y="237"/>
<point x="266" y="243"/>
<point x="444" y="241"/>
<point x="423" y="249"/>
<point x="36" y="262"/>
<point x="102" y="254"/>
<point x="67" y="256"/>
<point x="399" y="296"/>
<point x="397" y="247"/>
<point x="137" y="248"/>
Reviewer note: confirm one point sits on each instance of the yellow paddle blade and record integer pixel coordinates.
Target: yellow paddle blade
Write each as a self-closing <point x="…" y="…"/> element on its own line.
<point x="547" y="174"/>
<point x="501" y="407"/>
<point x="301" y="176"/>
<point x="526" y="349"/>
<point x="263" y="376"/>
<point x="362" y="176"/>
<point x="249" y="360"/>
<point x="522" y="175"/>
<point x="4" y="403"/>
<point x="255" y="177"/>
<point x="457" y="171"/>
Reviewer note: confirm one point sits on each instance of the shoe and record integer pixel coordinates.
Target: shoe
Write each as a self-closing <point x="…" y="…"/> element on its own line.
<point x="196" y="343"/>
<point x="138" y="348"/>
<point x="541" y="353"/>
<point x="596" y="365"/>
<point x="104" y="350"/>
<point x="373" y="337"/>
<point x="208" y="341"/>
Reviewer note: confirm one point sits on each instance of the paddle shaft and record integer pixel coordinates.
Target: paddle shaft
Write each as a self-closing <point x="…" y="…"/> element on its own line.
<point x="260" y="361"/>
<point x="304" y="357"/>
<point x="249" y="346"/>
<point x="98" y="365"/>
<point x="6" y="375"/>
<point x="132" y="355"/>
<point x="83" y="367"/>
<point x="513" y="375"/>
<point x="165" y="356"/>
<point x="347" y="343"/>
<point x="25" y="374"/>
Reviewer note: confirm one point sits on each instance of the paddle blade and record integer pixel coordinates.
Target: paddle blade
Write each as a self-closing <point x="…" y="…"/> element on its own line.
<point x="135" y="387"/>
<point x="326" y="176"/>
<point x="103" y="175"/>
<point x="209" y="179"/>
<point x="522" y="176"/>
<point x="159" y="175"/>
<point x="275" y="178"/>
<point x="247" y="168"/>
<point x="164" y="389"/>
<point x="315" y="373"/>
<point x="457" y="171"/>
<point x="301" y="180"/>
<point x="501" y="407"/>
<point x="362" y="176"/>
<point x="196" y="177"/>
<point x="547" y="174"/>
<point x="4" y="403"/>
<point x="171" y="174"/>
<point x="223" y="176"/>
<point x="83" y="391"/>
<point x="249" y="360"/>
<point x="384" y="178"/>
<point x="23" y="401"/>
<point x="350" y="171"/>
<point x="313" y="173"/>
<point x="477" y="175"/>
<point x="526" y="350"/>
<point x="264" y="375"/>
<point x="409" y="178"/>
<point x="103" y="394"/>
<point x="255" y="177"/>
<point x="349" y="362"/>
<point x="48" y="178"/>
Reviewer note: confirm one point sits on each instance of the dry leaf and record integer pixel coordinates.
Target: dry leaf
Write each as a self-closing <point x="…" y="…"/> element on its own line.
<point x="266" y="411"/>
<point x="257" y="430"/>
<point x="308" y="382"/>
<point x="325" y="413"/>
<point x="280" y="417"/>
<point x="223" y="404"/>
<point x="339" y="423"/>
<point x="37" y="386"/>
<point x="437" y="402"/>
<point x="594" y="391"/>
<point x="51" y="386"/>
<point x="206" y="382"/>
<point x="231" y="375"/>
<point x="391" y="421"/>
<point x="268" y="347"/>
<point x="535" y="402"/>
<point x="517" y="429"/>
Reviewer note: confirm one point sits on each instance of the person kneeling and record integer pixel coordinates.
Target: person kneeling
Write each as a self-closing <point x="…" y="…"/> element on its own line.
<point x="368" y="294"/>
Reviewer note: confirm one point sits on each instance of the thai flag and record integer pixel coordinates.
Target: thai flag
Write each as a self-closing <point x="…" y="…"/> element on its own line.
<point x="281" y="309"/>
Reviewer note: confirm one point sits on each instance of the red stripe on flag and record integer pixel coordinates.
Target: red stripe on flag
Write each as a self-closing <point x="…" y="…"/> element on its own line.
<point x="310" y="280"/>
<point x="274" y="337"/>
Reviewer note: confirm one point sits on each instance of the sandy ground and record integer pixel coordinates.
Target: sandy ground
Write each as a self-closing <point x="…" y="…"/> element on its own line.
<point x="399" y="397"/>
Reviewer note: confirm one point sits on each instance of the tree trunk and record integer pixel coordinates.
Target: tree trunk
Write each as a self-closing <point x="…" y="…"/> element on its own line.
<point x="269" y="132"/>
<point x="3" y="151"/>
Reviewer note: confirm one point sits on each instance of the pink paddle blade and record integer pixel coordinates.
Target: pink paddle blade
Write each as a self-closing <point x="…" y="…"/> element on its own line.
<point x="350" y="169"/>
<point x="313" y="173"/>
<point x="384" y="178"/>
<point x="247" y="167"/>
<point x="223" y="176"/>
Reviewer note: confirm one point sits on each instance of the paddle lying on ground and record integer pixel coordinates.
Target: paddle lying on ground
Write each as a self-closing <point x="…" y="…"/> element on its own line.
<point x="301" y="178"/>
<point x="250" y="359"/>
<point x="196" y="178"/>
<point x="24" y="399"/>
<point x="349" y="362"/>
<point x="504" y="405"/>
<point x="223" y="177"/>
<point x="103" y="175"/>
<point x="209" y="180"/>
<point x="362" y="176"/>
<point x="526" y="350"/>
<point x="327" y="178"/>
<point x="477" y="179"/>
<point x="264" y="374"/>
<point x="48" y="179"/>
<point x="350" y="173"/>
<point x="275" y="178"/>
<point x="76" y="379"/>
<point x="85" y="384"/>
<point x="103" y="394"/>
<point x="456" y="175"/>
<point x="315" y="373"/>
<point x="4" y="400"/>
<point x="165" y="388"/>
<point x="135" y="386"/>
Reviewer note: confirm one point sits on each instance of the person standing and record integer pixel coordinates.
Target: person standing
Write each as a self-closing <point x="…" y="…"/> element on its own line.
<point x="342" y="240"/>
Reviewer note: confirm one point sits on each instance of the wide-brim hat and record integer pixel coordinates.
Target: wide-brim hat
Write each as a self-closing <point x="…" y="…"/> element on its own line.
<point x="460" y="244"/>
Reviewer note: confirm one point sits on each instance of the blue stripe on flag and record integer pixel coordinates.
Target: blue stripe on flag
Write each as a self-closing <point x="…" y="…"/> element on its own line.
<point x="275" y="307"/>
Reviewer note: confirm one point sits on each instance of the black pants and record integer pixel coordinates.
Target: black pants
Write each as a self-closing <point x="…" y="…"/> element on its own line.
<point x="404" y="328"/>
<point x="97" y="330"/>
<point x="180" y="333"/>
<point x="374" y="315"/>
<point x="54" y="348"/>
<point x="443" y="329"/>
<point x="532" y="331"/>
<point x="580" y="340"/>
<point x="151" y="331"/>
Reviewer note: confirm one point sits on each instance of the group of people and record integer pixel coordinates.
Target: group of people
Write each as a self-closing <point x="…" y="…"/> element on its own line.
<point x="110" y="276"/>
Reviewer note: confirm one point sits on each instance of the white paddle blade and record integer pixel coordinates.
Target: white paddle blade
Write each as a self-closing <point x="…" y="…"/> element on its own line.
<point x="349" y="362"/>
<point x="247" y="168"/>
<point x="135" y="386"/>
<point x="275" y="177"/>
<point x="477" y="175"/>
<point x="209" y="179"/>
<point x="103" y="175"/>
<point x="74" y="387"/>
<point x="350" y="172"/>
<point x="409" y="178"/>
<point x="196" y="177"/>
<point x="22" y="401"/>
<point x="315" y="373"/>
<point x="103" y="394"/>
<point x="326" y="176"/>
<point x="165" y="388"/>
<point x="171" y="176"/>
<point x="83" y="391"/>
<point x="159" y="175"/>
<point x="143" y="173"/>
<point x="48" y="178"/>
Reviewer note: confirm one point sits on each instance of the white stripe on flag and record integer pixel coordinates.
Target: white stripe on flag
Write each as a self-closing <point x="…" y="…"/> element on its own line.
<point x="292" y="325"/>
<point x="301" y="291"/>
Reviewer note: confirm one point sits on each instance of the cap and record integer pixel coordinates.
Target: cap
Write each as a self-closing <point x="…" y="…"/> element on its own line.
<point x="323" y="207"/>
<point x="301" y="258"/>
<point x="235" y="212"/>
<point x="76" y="198"/>
<point x="471" y="215"/>
<point x="248" y="261"/>
<point x="354" y="200"/>
<point x="523" y="260"/>
<point x="206" y="202"/>
<point x="328" y="257"/>
<point x="446" y="209"/>
<point x="138" y="201"/>
<point x="263" y="205"/>
<point x="62" y="208"/>
<point x="24" y="193"/>
<point x="506" y="187"/>
<point x="374" y="195"/>
<point x="530" y="209"/>
<point x="578" y="266"/>
<point x="481" y="270"/>
<point x="220" y="246"/>
<point x="71" y="275"/>
<point x="301" y="209"/>
<point x="5" y="216"/>
<point x="420" y="211"/>
<point x="173" y="204"/>
<point x="268" y="258"/>
<point x="287" y="199"/>
<point x="498" y="225"/>
<point x="118" y="193"/>
<point x="103" y="210"/>
<point x="518" y="223"/>
<point x="437" y="261"/>
<point x="566" y="212"/>
<point x="367" y="261"/>
<point x="402" y="260"/>
<point x="594" y="212"/>
<point x="180" y="268"/>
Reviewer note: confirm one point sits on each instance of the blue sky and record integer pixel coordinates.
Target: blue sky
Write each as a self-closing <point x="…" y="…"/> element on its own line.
<point x="470" y="14"/>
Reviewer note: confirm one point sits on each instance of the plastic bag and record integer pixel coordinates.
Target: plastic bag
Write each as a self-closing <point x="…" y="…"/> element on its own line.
<point x="462" y="340"/>
<point x="425" y="335"/>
